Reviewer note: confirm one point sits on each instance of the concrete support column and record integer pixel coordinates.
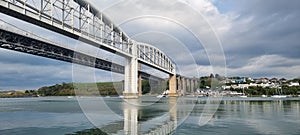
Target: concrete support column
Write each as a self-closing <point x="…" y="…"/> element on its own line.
<point x="184" y="86"/>
<point x="172" y="86"/>
<point x="131" y="75"/>
<point x="192" y="86"/>
<point x="188" y="85"/>
<point x="179" y="85"/>
<point x="195" y="84"/>
<point x="140" y="85"/>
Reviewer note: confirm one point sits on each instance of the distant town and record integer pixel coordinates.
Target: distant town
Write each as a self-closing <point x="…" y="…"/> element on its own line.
<point x="251" y="86"/>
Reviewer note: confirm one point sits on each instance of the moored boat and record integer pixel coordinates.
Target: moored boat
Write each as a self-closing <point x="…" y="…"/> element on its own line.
<point x="279" y="96"/>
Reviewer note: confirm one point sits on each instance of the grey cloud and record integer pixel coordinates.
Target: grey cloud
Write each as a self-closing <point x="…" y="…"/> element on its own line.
<point x="23" y="76"/>
<point x="263" y="28"/>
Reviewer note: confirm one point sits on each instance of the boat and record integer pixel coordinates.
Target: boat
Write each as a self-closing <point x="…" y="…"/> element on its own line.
<point x="243" y="96"/>
<point x="161" y="96"/>
<point x="264" y="96"/>
<point x="164" y="94"/>
<point x="279" y="96"/>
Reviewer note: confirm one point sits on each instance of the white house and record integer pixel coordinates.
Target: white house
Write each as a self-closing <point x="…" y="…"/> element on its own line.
<point x="294" y="84"/>
<point x="243" y="86"/>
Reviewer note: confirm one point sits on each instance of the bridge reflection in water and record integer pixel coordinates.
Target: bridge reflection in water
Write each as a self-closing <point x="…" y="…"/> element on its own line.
<point x="139" y="117"/>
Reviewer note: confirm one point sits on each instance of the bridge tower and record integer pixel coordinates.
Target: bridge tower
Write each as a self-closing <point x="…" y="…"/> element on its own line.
<point x="131" y="75"/>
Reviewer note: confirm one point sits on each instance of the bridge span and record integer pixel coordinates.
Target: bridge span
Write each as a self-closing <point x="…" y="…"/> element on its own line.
<point x="81" y="21"/>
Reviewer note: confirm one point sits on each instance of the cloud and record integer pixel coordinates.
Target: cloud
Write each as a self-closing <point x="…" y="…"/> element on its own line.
<point x="20" y="76"/>
<point x="258" y="38"/>
<point x="187" y="25"/>
<point x="269" y="66"/>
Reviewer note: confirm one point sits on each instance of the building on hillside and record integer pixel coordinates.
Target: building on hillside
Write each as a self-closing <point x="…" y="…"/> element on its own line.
<point x="253" y="85"/>
<point x="274" y="80"/>
<point x="263" y="85"/>
<point x="282" y="80"/>
<point x="224" y="87"/>
<point x="274" y="85"/>
<point x="293" y="84"/>
<point x="241" y="80"/>
<point x="243" y="86"/>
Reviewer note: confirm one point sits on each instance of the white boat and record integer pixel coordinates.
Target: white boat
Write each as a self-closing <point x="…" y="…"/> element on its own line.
<point x="160" y="96"/>
<point x="279" y="96"/>
<point x="264" y="96"/>
<point x="164" y="94"/>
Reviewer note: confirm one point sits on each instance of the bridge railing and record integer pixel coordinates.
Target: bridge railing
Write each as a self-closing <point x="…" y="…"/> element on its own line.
<point x="153" y="56"/>
<point x="76" y="18"/>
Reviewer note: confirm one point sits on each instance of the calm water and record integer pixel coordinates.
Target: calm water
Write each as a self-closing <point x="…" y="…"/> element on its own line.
<point x="234" y="116"/>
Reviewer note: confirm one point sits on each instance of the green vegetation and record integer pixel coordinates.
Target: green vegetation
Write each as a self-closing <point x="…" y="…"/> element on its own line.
<point x="211" y="81"/>
<point x="65" y="89"/>
<point x="154" y="87"/>
<point x="270" y="91"/>
<point x="94" y="89"/>
<point x="82" y="89"/>
<point x="16" y="94"/>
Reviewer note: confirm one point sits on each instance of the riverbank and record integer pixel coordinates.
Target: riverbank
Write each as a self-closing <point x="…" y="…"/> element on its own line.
<point x="18" y="94"/>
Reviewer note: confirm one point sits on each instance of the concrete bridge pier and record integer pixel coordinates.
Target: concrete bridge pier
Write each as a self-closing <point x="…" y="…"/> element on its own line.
<point x="131" y="76"/>
<point x="192" y="86"/>
<point x="179" y="85"/>
<point x="172" y="86"/>
<point x="140" y="85"/>
<point x="183" y="86"/>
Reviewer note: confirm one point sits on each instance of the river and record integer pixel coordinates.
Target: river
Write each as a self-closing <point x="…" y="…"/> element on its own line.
<point x="149" y="115"/>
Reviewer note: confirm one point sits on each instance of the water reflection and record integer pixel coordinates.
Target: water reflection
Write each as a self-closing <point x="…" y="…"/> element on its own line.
<point x="249" y="116"/>
<point x="233" y="116"/>
<point x="131" y="116"/>
<point x="161" y="117"/>
<point x="139" y="120"/>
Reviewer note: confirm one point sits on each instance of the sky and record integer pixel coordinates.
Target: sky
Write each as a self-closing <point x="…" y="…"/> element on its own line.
<point x="253" y="38"/>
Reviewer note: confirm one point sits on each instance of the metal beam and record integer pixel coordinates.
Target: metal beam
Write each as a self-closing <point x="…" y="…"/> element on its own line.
<point x="21" y="43"/>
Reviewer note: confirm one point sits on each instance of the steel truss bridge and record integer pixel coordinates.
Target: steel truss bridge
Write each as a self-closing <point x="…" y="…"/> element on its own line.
<point x="79" y="20"/>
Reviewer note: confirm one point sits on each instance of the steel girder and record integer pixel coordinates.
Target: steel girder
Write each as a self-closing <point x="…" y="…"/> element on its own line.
<point x="22" y="43"/>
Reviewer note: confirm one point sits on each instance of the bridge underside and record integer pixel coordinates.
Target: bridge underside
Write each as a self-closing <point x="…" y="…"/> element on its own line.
<point x="20" y="43"/>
